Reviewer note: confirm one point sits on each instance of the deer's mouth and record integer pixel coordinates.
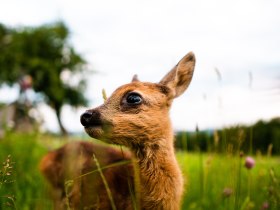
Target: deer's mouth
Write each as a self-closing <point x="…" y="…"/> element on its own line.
<point x="94" y="131"/>
<point x="92" y="123"/>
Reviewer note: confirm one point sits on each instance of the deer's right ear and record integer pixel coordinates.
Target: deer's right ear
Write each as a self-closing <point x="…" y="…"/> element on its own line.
<point x="179" y="78"/>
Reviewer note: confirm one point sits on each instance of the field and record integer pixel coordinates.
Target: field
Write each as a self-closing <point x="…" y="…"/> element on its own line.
<point x="213" y="181"/>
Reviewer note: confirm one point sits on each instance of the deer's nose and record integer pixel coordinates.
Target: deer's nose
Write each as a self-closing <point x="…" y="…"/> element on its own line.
<point x="86" y="118"/>
<point x="90" y="118"/>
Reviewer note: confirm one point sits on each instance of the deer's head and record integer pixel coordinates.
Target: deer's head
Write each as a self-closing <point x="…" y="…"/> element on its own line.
<point x="137" y="114"/>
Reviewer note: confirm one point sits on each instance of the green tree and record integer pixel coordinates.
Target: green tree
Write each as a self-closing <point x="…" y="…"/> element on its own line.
<point x="45" y="54"/>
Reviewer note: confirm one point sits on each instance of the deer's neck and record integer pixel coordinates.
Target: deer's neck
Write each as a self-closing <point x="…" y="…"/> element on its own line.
<point x="160" y="176"/>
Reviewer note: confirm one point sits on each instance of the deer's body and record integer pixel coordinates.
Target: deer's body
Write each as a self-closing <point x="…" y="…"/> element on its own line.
<point x="135" y="116"/>
<point x="68" y="163"/>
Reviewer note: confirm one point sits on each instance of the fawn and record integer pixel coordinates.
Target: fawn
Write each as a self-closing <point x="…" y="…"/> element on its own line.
<point x="137" y="117"/>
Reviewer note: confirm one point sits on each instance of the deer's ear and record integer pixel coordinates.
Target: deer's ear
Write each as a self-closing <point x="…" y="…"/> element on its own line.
<point x="135" y="78"/>
<point x="179" y="78"/>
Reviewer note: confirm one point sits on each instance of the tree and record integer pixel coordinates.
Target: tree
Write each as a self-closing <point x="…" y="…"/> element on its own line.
<point x="45" y="54"/>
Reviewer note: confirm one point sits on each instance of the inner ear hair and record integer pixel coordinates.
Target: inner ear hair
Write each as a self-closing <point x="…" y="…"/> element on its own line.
<point x="179" y="78"/>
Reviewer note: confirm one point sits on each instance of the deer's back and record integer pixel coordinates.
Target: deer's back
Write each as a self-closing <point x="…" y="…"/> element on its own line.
<point x="76" y="181"/>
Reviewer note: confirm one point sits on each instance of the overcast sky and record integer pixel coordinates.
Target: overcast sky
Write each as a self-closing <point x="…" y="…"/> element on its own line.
<point x="120" y="38"/>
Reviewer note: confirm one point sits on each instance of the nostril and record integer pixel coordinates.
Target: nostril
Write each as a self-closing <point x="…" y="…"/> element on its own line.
<point x="91" y="118"/>
<point x="86" y="118"/>
<point x="87" y="115"/>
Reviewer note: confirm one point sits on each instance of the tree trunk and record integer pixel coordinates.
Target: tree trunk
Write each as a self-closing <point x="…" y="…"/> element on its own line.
<point x="62" y="128"/>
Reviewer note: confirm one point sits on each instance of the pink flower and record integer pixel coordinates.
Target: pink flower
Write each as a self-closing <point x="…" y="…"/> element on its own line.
<point x="265" y="205"/>
<point x="249" y="162"/>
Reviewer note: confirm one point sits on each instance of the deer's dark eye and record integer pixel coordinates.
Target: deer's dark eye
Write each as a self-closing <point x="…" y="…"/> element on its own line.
<point x="133" y="99"/>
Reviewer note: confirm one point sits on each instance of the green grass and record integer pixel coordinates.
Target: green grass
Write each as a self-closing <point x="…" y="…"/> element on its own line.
<point x="27" y="186"/>
<point x="207" y="176"/>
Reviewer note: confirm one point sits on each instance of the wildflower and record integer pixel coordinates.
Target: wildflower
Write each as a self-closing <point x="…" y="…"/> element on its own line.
<point x="227" y="192"/>
<point x="249" y="162"/>
<point x="265" y="205"/>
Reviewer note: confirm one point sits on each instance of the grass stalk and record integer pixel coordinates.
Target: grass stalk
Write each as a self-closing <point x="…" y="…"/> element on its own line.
<point x="201" y="177"/>
<point x="104" y="167"/>
<point x="67" y="186"/>
<point x="105" y="183"/>
<point x="249" y="184"/>
<point x="238" y="184"/>
<point x="251" y="140"/>
<point x="184" y="141"/>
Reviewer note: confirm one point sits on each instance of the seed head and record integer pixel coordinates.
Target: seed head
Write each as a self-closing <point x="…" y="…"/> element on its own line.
<point x="227" y="192"/>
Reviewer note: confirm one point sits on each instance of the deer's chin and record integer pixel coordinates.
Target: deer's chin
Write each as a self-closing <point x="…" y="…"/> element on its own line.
<point x="94" y="131"/>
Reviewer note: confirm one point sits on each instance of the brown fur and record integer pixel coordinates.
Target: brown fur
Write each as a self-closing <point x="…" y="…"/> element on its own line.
<point x="145" y="129"/>
<point x="88" y="192"/>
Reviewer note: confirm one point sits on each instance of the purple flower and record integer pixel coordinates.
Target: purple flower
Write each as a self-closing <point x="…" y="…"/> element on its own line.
<point x="265" y="205"/>
<point x="249" y="162"/>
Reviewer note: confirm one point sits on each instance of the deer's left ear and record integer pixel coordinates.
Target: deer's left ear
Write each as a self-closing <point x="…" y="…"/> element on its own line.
<point x="179" y="78"/>
<point x="135" y="78"/>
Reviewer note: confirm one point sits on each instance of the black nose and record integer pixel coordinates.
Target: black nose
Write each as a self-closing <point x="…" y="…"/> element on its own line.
<point x="86" y="118"/>
<point x="90" y="118"/>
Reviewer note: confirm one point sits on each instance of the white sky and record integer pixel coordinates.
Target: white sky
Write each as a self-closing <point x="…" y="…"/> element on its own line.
<point x="121" y="38"/>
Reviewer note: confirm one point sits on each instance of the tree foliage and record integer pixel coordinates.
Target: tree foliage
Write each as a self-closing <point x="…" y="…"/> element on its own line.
<point x="45" y="54"/>
<point x="261" y="137"/>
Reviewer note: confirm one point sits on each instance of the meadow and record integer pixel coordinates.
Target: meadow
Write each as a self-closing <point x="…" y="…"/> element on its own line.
<point x="213" y="180"/>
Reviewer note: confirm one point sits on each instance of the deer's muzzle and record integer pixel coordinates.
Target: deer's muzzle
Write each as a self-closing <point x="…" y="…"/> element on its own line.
<point x="91" y="118"/>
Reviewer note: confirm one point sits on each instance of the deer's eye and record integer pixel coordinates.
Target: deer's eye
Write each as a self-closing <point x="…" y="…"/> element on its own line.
<point x="133" y="99"/>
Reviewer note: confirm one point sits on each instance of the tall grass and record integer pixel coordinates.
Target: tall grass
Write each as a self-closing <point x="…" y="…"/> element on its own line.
<point x="6" y="173"/>
<point x="28" y="187"/>
<point x="214" y="180"/>
<point x="225" y="182"/>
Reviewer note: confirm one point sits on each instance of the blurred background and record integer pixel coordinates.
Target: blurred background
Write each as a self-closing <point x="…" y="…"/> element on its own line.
<point x="70" y="50"/>
<point x="56" y="56"/>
